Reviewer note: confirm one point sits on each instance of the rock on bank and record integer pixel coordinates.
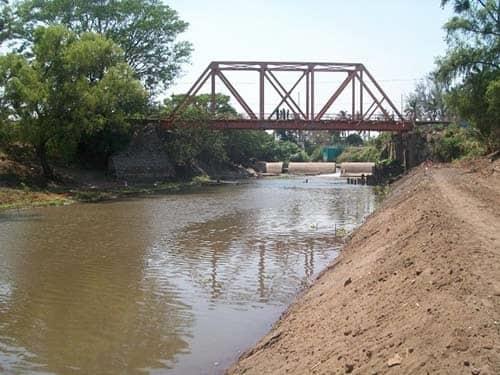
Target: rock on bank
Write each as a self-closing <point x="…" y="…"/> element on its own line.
<point x="415" y="291"/>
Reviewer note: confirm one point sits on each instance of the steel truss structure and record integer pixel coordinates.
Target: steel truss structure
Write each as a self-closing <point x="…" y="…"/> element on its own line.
<point x="380" y="115"/>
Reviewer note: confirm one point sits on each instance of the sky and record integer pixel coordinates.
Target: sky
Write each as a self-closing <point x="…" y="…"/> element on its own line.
<point x="397" y="40"/>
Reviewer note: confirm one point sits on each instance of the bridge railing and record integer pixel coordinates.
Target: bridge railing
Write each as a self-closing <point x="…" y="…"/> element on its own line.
<point x="288" y="116"/>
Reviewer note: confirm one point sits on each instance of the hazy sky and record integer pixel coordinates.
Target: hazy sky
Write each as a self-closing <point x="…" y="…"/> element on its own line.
<point x="397" y="40"/>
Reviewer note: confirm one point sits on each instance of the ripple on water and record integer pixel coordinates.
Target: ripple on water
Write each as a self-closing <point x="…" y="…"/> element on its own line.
<point x="171" y="282"/>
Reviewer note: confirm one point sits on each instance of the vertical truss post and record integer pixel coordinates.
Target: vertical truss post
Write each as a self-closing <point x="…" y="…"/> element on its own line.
<point x="311" y="110"/>
<point x="335" y="95"/>
<point x="379" y="102"/>
<point x="261" y="91"/>
<point x="212" y="93"/>
<point x="307" y="94"/>
<point x="363" y="84"/>
<point x="360" y="93"/>
<point x="396" y="111"/>
<point x="236" y="95"/>
<point x="353" y="97"/>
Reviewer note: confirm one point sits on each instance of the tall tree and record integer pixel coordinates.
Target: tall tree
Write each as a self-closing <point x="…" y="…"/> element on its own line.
<point x="73" y="85"/>
<point x="146" y="30"/>
<point x="472" y="65"/>
<point x="427" y="102"/>
<point x="473" y="37"/>
<point x="5" y="19"/>
<point x="191" y="141"/>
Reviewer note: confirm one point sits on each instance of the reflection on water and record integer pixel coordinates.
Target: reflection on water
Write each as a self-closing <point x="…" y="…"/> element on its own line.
<point x="170" y="284"/>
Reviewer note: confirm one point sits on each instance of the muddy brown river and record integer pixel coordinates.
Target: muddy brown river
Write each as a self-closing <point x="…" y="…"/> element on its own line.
<point x="172" y="284"/>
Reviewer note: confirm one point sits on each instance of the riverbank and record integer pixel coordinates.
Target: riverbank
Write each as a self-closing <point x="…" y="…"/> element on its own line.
<point x="22" y="185"/>
<point x="415" y="290"/>
<point x="27" y="197"/>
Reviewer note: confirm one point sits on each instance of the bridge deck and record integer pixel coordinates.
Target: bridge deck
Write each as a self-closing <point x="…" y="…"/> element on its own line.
<point x="341" y="125"/>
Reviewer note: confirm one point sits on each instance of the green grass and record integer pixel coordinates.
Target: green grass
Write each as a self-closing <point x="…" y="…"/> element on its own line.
<point x="25" y="197"/>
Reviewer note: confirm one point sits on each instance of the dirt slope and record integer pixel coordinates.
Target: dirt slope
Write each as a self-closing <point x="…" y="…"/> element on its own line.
<point x="416" y="290"/>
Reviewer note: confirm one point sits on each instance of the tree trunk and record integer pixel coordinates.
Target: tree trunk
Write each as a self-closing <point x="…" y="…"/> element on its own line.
<point x="41" y="151"/>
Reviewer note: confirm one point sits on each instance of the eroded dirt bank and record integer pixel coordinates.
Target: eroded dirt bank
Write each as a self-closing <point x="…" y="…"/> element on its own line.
<point x="416" y="290"/>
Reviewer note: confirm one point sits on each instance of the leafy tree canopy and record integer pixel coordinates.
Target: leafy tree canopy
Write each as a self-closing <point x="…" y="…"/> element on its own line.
<point x="200" y="106"/>
<point x="73" y="85"/>
<point x="472" y="65"/>
<point x="191" y="142"/>
<point x="473" y="37"/>
<point x="354" y="139"/>
<point x="427" y="102"/>
<point x="146" y="30"/>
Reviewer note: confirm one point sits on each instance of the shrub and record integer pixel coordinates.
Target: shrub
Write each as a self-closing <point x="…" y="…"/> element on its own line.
<point x="317" y="154"/>
<point x="456" y="143"/>
<point x="300" y="156"/>
<point x="366" y="153"/>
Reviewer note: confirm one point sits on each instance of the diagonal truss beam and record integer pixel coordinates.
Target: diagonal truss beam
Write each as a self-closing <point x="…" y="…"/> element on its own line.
<point x="297" y="111"/>
<point x="357" y="75"/>
<point x="237" y="96"/>
<point x="393" y="107"/>
<point x="378" y="102"/>
<point x="190" y="95"/>
<point x="374" y="109"/>
<point x="364" y="115"/>
<point x="334" y="97"/>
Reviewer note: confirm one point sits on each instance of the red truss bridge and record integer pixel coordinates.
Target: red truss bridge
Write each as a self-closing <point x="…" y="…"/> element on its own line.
<point x="353" y="81"/>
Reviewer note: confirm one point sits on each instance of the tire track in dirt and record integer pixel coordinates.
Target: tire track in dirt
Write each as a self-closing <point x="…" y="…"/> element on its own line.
<point x="470" y="210"/>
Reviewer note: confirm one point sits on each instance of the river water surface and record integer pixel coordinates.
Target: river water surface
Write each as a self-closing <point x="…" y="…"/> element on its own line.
<point x="172" y="284"/>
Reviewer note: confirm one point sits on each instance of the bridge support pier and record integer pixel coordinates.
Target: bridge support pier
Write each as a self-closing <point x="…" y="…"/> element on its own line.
<point x="409" y="149"/>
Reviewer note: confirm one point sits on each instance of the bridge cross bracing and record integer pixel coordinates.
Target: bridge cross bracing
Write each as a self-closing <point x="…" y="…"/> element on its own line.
<point x="288" y="113"/>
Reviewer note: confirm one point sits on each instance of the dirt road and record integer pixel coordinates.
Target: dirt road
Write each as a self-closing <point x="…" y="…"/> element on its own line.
<point x="415" y="291"/>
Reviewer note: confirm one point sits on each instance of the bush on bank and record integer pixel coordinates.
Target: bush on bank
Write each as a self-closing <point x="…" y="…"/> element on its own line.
<point x="369" y="153"/>
<point x="455" y="143"/>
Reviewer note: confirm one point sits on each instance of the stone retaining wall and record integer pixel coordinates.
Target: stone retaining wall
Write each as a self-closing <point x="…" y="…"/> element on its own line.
<point x="144" y="160"/>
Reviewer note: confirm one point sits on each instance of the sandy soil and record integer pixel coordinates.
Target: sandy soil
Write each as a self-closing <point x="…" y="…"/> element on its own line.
<point x="415" y="291"/>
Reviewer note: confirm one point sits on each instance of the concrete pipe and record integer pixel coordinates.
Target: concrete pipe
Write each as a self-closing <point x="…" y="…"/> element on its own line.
<point x="311" y="168"/>
<point x="274" y="168"/>
<point x="353" y="169"/>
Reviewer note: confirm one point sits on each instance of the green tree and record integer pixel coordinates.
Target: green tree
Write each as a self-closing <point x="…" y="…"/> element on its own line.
<point x="73" y="85"/>
<point x="472" y="65"/>
<point x="243" y="145"/>
<point x="427" y="102"/>
<point x="200" y="107"/>
<point x="455" y="142"/>
<point x="4" y="9"/>
<point x="146" y="30"/>
<point x="191" y="141"/>
<point x="493" y="99"/>
<point x="288" y="135"/>
<point x="354" y="139"/>
<point x="336" y="138"/>
<point x="283" y="151"/>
